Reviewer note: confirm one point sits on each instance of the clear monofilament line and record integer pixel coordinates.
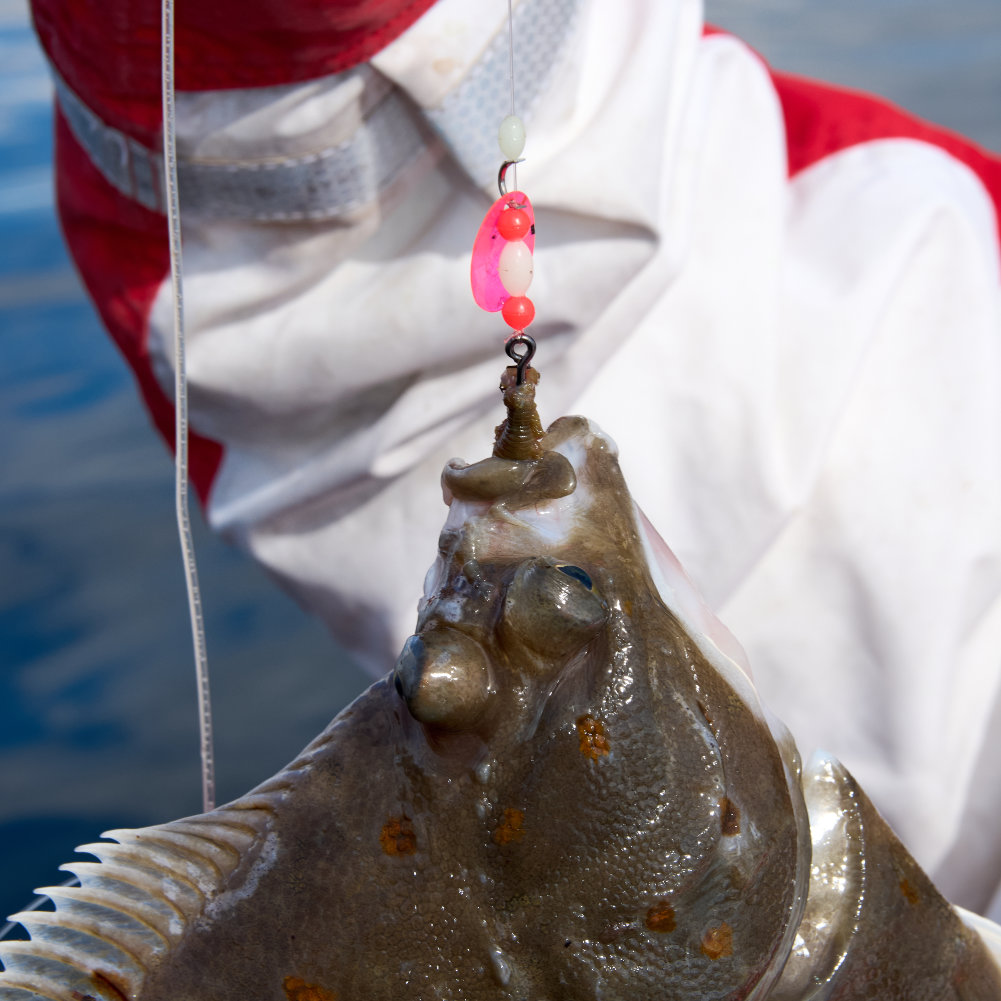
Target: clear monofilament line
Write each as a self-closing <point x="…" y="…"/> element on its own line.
<point x="39" y="901"/>
<point x="510" y="38"/>
<point x="181" y="411"/>
<point x="510" y="55"/>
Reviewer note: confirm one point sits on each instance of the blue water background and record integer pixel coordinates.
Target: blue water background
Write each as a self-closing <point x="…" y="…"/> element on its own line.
<point x="97" y="698"/>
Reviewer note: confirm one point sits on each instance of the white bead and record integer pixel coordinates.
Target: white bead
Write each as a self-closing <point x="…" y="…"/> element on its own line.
<point x="515" y="268"/>
<point x="511" y="137"/>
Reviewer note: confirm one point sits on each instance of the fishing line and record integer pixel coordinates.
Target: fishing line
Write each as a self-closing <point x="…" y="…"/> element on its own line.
<point x="34" y="905"/>
<point x="181" y="412"/>
<point x="510" y="56"/>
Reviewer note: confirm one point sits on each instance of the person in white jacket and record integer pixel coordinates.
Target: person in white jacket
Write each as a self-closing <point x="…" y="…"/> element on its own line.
<point x="782" y="300"/>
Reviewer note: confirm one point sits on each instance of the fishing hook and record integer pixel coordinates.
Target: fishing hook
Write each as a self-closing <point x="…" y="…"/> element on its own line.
<point x="523" y="340"/>
<point x="502" y="183"/>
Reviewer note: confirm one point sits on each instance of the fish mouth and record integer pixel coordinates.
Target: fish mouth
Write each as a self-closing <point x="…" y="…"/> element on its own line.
<point x="444" y="677"/>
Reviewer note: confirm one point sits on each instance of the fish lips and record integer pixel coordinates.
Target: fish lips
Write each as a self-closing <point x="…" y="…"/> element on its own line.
<point x="444" y="677"/>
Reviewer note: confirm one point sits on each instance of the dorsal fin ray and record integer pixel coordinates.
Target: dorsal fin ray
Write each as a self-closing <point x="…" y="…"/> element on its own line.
<point x="132" y="906"/>
<point x="138" y="886"/>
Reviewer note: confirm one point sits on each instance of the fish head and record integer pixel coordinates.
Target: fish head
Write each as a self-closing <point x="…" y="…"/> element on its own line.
<point x="508" y="605"/>
<point x="562" y="657"/>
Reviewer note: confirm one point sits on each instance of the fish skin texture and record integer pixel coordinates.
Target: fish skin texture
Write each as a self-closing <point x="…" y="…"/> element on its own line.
<point x="561" y="793"/>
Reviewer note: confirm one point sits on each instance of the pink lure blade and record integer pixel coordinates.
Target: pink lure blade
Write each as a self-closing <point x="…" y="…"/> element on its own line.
<point x="488" y="291"/>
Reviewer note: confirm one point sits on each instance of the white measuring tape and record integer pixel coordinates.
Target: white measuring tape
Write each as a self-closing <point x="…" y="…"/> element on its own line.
<point x="181" y="411"/>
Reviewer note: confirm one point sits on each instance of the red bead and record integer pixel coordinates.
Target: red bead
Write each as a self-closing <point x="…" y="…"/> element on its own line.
<point x="518" y="312"/>
<point x="513" y="224"/>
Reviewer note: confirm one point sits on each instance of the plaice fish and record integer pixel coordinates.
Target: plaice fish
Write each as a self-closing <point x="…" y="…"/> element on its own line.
<point x="566" y="789"/>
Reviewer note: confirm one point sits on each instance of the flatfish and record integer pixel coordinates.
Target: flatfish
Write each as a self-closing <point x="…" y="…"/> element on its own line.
<point x="566" y="789"/>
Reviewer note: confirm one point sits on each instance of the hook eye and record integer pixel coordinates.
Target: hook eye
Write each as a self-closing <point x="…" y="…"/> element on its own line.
<point x="522" y="358"/>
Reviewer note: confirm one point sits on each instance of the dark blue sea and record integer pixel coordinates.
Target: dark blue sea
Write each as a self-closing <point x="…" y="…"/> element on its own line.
<point x="97" y="695"/>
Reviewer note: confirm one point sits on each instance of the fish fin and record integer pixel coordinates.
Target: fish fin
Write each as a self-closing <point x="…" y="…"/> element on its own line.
<point x="132" y="906"/>
<point x="834" y="898"/>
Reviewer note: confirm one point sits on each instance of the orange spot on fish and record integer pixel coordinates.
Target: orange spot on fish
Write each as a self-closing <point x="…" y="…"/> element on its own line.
<point x="718" y="942"/>
<point x="511" y="827"/>
<point x="397" y="837"/>
<point x="910" y="894"/>
<point x="296" y="989"/>
<point x="593" y="741"/>
<point x="661" y="918"/>
<point x="729" y="817"/>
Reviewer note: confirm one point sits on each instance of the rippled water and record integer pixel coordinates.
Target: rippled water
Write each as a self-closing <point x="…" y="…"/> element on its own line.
<point x="940" y="59"/>
<point x="97" y="717"/>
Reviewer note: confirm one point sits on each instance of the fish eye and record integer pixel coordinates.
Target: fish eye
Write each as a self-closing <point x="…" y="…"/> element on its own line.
<point x="552" y="607"/>
<point x="571" y="571"/>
